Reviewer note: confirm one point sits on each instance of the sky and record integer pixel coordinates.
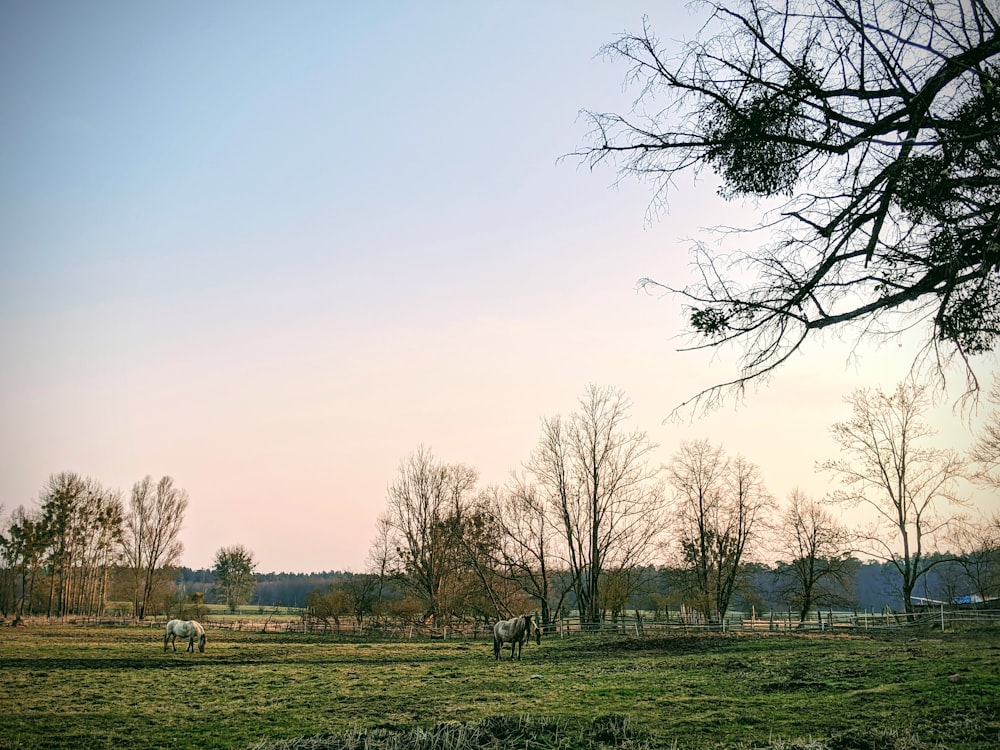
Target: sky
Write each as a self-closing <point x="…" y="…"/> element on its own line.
<point x="269" y="249"/>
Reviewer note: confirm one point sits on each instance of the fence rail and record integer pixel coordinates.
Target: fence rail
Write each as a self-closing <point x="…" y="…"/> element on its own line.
<point x="640" y="626"/>
<point x="564" y="627"/>
<point x="783" y="622"/>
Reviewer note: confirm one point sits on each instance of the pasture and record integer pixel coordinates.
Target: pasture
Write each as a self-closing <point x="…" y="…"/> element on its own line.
<point x="104" y="687"/>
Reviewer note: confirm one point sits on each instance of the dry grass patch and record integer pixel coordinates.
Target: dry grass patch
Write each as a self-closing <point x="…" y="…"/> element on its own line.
<point x="66" y="687"/>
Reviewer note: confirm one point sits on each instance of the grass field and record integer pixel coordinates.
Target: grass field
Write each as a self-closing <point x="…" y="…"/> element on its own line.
<point x="103" y="687"/>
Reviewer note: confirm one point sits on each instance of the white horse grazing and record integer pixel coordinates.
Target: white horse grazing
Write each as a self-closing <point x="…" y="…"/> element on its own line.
<point x="188" y="629"/>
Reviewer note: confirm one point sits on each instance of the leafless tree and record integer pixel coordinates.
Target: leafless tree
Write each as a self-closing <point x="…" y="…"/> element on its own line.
<point x="150" y="543"/>
<point x="818" y="548"/>
<point x="528" y="537"/>
<point x="380" y="557"/>
<point x="720" y="506"/>
<point x="874" y="128"/>
<point x="363" y="589"/>
<point x="986" y="451"/>
<point x="428" y="505"/>
<point x="889" y="468"/>
<point x="977" y="545"/>
<point x="596" y="475"/>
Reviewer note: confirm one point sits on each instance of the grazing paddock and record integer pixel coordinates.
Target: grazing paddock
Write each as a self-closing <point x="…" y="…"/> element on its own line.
<point x="94" y="687"/>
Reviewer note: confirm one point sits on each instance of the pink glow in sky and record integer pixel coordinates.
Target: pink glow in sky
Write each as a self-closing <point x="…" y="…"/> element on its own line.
<point x="270" y="249"/>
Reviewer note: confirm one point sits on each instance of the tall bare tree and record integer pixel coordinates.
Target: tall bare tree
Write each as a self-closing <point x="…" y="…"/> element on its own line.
<point x="817" y="545"/>
<point x="985" y="453"/>
<point x="720" y="507"/>
<point x="872" y="125"/>
<point x="528" y="538"/>
<point x="427" y="505"/>
<point x="150" y="543"/>
<point x="381" y="555"/>
<point x="597" y="475"/>
<point x="890" y="468"/>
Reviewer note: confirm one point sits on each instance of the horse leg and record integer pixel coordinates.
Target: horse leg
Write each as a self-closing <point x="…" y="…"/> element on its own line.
<point x="496" y="648"/>
<point x="190" y="645"/>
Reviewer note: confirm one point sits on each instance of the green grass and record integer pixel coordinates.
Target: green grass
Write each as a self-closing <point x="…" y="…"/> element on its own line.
<point x="66" y="687"/>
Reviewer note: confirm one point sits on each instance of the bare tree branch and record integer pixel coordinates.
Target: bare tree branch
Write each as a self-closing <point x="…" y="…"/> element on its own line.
<point x="876" y="123"/>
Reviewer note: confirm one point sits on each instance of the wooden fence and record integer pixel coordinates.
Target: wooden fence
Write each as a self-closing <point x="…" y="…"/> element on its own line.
<point x="776" y="622"/>
<point x="564" y="627"/>
<point x="817" y="621"/>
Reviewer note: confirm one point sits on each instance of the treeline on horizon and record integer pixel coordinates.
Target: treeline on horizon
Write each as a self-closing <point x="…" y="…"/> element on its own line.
<point x="872" y="588"/>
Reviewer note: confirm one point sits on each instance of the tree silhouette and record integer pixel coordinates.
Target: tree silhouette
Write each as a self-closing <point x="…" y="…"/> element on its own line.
<point x="874" y="125"/>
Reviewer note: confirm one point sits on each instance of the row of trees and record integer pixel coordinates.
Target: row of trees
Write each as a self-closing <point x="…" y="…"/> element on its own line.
<point x="58" y="558"/>
<point x="590" y="511"/>
<point x="85" y="544"/>
<point x="583" y="521"/>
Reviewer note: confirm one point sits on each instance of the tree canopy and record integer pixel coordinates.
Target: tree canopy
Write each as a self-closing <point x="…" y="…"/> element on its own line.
<point x="235" y="577"/>
<point x="874" y="125"/>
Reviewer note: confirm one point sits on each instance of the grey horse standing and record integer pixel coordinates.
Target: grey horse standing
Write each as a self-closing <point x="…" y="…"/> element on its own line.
<point x="515" y="632"/>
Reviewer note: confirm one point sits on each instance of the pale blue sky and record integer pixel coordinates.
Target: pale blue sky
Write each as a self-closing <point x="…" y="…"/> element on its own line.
<point x="268" y="249"/>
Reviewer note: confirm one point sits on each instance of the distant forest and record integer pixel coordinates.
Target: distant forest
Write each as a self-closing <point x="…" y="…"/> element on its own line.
<point x="875" y="587"/>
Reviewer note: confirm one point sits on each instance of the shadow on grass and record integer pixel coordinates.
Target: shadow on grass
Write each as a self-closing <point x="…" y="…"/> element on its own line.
<point x="90" y="663"/>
